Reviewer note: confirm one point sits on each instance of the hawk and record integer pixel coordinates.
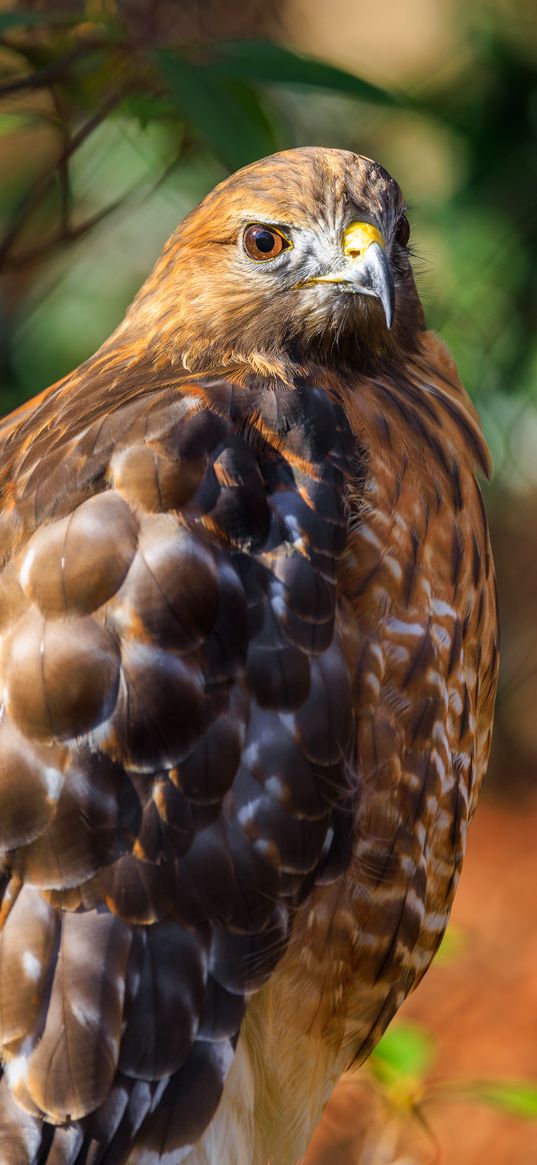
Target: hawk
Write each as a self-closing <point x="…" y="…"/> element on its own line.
<point x="249" y="658"/>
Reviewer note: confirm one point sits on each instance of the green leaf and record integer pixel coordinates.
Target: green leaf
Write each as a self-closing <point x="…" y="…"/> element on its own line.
<point x="227" y="116"/>
<point x="517" y="1097"/>
<point x="147" y="108"/>
<point x="22" y="19"/>
<point x="404" y="1052"/>
<point x="263" y="62"/>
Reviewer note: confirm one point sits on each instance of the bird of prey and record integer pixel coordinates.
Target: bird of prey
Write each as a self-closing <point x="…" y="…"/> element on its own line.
<point x="249" y="656"/>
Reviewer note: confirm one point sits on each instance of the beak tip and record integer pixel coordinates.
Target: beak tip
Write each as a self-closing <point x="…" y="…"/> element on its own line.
<point x="381" y="280"/>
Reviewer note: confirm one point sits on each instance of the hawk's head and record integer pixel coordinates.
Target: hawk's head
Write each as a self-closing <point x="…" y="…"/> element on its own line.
<point x="302" y="254"/>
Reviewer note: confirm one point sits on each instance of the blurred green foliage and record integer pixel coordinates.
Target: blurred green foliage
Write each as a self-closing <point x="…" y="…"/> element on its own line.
<point x="402" y="1072"/>
<point x="110" y="131"/>
<point x="403" y="1056"/>
<point x="402" y="1067"/>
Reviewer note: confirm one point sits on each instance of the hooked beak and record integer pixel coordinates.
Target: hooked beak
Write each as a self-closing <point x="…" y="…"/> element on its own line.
<point x="367" y="270"/>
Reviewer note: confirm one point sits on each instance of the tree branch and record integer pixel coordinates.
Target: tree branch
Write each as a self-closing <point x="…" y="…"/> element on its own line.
<point x="44" y="78"/>
<point x="41" y="186"/>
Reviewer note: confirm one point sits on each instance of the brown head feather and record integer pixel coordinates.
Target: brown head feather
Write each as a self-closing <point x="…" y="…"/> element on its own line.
<point x="205" y="302"/>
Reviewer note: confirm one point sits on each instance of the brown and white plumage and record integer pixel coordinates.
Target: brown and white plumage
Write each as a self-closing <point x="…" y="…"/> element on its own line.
<point x="248" y="668"/>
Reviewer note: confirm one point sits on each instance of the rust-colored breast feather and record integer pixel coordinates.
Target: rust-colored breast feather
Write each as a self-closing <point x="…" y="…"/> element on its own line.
<point x="416" y="614"/>
<point x="176" y="741"/>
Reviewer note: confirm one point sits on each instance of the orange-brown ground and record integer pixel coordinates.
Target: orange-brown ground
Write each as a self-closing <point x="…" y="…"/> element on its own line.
<point x="481" y="1007"/>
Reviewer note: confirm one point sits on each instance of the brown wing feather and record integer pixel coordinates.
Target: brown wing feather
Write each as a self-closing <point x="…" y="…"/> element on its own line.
<point x="176" y="736"/>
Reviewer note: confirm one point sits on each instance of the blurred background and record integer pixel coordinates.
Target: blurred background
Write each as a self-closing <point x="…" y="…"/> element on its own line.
<point x="116" y="116"/>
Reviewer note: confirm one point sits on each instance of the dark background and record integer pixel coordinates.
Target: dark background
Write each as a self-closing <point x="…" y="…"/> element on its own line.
<point x="116" y="116"/>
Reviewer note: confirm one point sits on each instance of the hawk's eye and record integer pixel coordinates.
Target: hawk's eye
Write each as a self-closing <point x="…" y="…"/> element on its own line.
<point x="261" y="242"/>
<point x="402" y="233"/>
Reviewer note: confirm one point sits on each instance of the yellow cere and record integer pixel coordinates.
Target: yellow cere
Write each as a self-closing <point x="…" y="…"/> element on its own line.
<point x="358" y="236"/>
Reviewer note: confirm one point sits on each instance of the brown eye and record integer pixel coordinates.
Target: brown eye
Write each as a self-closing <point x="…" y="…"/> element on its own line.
<point x="262" y="242"/>
<point x="402" y="233"/>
